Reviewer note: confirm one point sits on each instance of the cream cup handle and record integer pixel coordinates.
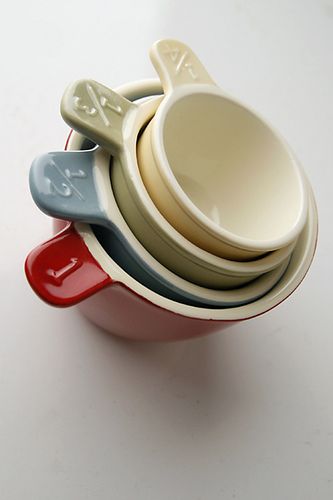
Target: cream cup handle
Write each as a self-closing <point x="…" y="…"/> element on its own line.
<point x="98" y="113"/>
<point x="177" y="65"/>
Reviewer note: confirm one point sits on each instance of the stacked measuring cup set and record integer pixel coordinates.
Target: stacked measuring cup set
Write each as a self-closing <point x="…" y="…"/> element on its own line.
<point x="178" y="210"/>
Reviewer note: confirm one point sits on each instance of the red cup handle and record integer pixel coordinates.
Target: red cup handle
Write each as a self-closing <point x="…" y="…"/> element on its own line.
<point x="63" y="272"/>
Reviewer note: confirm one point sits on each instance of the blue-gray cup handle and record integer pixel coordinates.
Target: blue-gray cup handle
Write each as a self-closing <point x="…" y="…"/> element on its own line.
<point x="62" y="186"/>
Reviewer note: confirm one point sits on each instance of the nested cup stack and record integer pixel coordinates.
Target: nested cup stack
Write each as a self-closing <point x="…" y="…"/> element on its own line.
<point x="179" y="210"/>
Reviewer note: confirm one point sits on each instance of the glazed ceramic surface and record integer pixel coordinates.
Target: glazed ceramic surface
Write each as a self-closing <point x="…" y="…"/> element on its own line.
<point x="160" y="239"/>
<point x="165" y="243"/>
<point x="217" y="172"/>
<point x="73" y="267"/>
<point x="125" y="249"/>
<point x="75" y="185"/>
<point x="305" y="244"/>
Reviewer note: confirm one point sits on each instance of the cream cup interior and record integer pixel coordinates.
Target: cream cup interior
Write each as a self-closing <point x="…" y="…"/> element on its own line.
<point x="161" y="239"/>
<point x="225" y="172"/>
<point x="211" y="297"/>
<point x="297" y="268"/>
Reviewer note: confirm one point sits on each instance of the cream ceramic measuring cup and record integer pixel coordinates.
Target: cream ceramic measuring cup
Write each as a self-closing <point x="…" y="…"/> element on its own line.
<point x="149" y="226"/>
<point x="216" y="171"/>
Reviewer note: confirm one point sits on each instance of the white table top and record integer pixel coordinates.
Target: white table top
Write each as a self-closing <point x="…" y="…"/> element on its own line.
<point x="245" y="414"/>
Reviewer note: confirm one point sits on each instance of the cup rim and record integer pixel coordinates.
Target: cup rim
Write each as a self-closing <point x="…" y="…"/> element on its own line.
<point x="219" y="265"/>
<point x="217" y="298"/>
<point x="184" y="201"/>
<point x="207" y="260"/>
<point x="300" y="262"/>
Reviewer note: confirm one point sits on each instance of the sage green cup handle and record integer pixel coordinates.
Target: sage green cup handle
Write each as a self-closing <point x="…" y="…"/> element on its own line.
<point x="63" y="186"/>
<point x="97" y="112"/>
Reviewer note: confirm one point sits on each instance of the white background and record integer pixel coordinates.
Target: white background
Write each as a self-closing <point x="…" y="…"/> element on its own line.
<point x="246" y="414"/>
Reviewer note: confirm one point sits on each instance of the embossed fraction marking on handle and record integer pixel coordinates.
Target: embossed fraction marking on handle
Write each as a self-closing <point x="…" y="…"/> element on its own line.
<point x="96" y="112"/>
<point x="63" y="186"/>
<point x="176" y="65"/>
